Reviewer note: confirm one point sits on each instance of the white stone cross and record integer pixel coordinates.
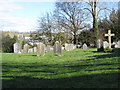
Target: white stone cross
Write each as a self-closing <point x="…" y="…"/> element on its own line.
<point x="109" y="37"/>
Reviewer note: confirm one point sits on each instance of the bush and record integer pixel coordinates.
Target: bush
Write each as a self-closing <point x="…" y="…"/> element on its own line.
<point x="7" y="43"/>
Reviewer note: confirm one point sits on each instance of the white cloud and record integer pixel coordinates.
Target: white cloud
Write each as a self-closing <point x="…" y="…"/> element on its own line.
<point x="9" y="6"/>
<point x="9" y="22"/>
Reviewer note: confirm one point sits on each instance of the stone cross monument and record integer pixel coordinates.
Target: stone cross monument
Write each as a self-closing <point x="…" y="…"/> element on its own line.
<point x="109" y="37"/>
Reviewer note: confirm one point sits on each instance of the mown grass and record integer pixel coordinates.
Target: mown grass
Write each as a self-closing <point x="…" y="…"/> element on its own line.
<point x="75" y="69"/>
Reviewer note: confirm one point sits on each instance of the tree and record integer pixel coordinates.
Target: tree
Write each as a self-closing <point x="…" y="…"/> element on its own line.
<point x="111" y="24"/>
<point x="71" y="17"/>
<point x="46" y="26"/>
<point x="7" y="43"/>
<point x="93" y="10"/>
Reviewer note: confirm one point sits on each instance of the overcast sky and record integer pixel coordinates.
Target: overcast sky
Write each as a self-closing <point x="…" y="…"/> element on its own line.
<point x="22" y="15"/>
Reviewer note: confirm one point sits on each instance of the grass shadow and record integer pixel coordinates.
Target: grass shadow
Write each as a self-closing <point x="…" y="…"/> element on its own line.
<point x="106" y="80"/>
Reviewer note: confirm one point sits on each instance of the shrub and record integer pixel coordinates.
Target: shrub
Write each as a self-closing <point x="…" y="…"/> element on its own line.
<point x="7" y="43"/>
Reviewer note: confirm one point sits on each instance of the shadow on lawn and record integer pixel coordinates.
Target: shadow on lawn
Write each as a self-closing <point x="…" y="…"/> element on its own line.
<point x="106" y="80"/>
<point x="115" y="53"/>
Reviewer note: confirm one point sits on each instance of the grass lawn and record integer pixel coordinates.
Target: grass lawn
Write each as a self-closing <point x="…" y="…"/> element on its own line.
<point x="75" y="69"/>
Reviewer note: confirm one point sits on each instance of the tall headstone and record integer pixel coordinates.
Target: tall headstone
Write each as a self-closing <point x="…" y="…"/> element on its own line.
<point x="100" y="45"/>
<point x="105" y="44"/>
<point x="25" y="48"/>
<point x="17" y="48"/>
<point x="57" y="49"/>
<point x="35" y="49"/>
<point x="118" y="44"/>
<point x="109" y="37"/>
<point x="48" y="48"/>
<point x="40" y="49"/>
<point x="85" y="46"/>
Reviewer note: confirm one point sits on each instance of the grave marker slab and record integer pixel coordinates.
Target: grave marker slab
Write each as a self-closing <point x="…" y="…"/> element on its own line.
<point x="17" y="48"/>
<point x="35" y="49"/>
<point x="40" y="49"/>
<point x="25" y="48"/>
<point x="57" y="49"/>
<point x="85" y="46"/>
<point x="105" y="44"/>
<point x="100" y="45"/>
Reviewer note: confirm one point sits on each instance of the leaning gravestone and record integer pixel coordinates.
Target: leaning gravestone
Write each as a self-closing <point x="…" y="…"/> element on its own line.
<point x="85" y="46"/>
<point x="40" y="49"/>
<point x="105" y="44"/>
<point x="118" y="44"/>
<point x="25" y="48"/>
<point x="17" y="48"/>
<point x="100" y="45"/>
<point x="57" y="49"/>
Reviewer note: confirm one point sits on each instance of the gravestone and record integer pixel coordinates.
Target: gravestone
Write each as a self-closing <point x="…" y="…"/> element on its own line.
<point x="100" y="45"/>
<point x="30" y="50"/>
<point x="105" y="44"/>
<point x="25" y="48"/>
<point x="48" y="48"/>
<point x="109" y="37"/>
<point x="85" y="46"/>
<point x="69" y="47"/>
<point x="118" y="44"/>
<point x="66" y="47"/>
<point x="40" y="49"/>
<point x="57" y="49"/>
<point x="74" y="47"/>
<point x="35" y="49"/>
<point x="17" y="48"/>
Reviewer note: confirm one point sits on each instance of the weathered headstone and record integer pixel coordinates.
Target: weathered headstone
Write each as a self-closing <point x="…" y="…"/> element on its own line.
<point x="118" y="44"/>
<point x="30" y="50"/>
<point x="17" y="48"/>
<point x="48" y="48"/>
<point x="57" y="49"/>
<point x="25" y="48"/>
<point x="105" y="44"/>
<point x="109" y="37"/>
<point x="100" y="45"/>
<point x="40" y="49"/>
<point x="85" y="46"/>
<point x="35" y="49"/>
<point x="69" y="47"/>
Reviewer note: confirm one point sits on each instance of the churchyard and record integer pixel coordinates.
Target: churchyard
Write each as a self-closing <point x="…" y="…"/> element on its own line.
<point x="71" y="47"/>
<point x="61" y="67"/>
